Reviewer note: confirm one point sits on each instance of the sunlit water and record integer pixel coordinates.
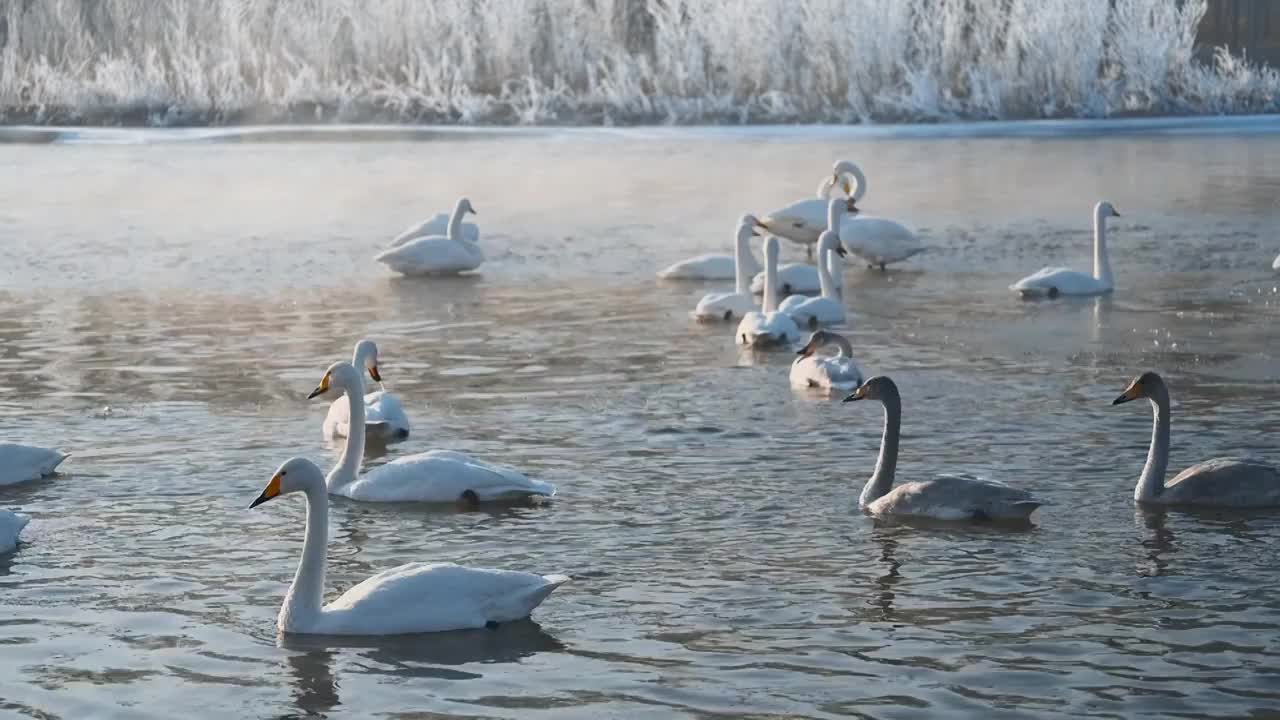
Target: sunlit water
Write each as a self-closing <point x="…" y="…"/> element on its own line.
<point x="166" y="308"/>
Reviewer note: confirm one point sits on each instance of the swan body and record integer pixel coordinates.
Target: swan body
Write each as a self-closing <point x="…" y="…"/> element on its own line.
<point x="705" y="267"/>
<point x="1275" y="265"/>
<point x="804" y="220"/>
<point x="436" y="254"/>
<point x="437" y="225"/>
<point x="20" y="463"/>
<point x="879" y="241"/>
<point x="727" y="305"/>
<point x="385" y="418"/>
<point x="833" y="372"/>
<point x="1051" y="282"/>
<point x="793" y="279"/>
<point x="410" y="598"/>
<point x="1220" y="482"/>
<point x="434" y="476"/>
<point x="828" y="308"/>
<point x="948" y="496"/>
<point x="768" y="327"/>
<point x="11" y="524"/>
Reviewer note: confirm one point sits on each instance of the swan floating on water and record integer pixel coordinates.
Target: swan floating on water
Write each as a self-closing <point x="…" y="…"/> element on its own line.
<point x="828" y="308"/>
<point x="385" y="418"/>
<point x="944" y="497"/>
<point x="725" y="305"/>
<point x="447" y="254"/>
<point x="20" y="463"/>
<point x="768" y="327"/>
<point x="11" y="524"/>
<point x="437" y="225"/>
<point x="832" y="372"/>
<point x="1220" y="482"/>
<point x="1051" y="282"/>
<point x="741" y="264"/>
<point x="803" y="221"/>
<point x="436" y="476"/>
<point x="411" y="598"/>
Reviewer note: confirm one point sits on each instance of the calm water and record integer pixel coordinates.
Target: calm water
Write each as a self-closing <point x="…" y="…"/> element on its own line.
<point x="166" y="307"/>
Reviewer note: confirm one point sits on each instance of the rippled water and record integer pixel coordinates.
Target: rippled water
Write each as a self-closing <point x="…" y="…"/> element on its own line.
<point x="166" y="308"/>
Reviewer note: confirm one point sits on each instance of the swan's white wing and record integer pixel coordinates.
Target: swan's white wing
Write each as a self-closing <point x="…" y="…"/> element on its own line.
<point x="431" y="255"/>
<point x="11" y="525"/>
<point x="792" y="278"/>
<point x="766" y="329"/>
<point x="443" y="476"/>
<point x="836" y="373"/>
<point x="20" y="463"/>
<point x="825" y="311"/>
<point x="801" y="221"/>
<point x="1058" y="280"/>
<point x="956" y="497"/>
<point x="702" y="267"/>
<point x="878" y="240"/>
<point x="337" y="420"/>
<point x="383" y="406"/>
<point x="438" y="225"/>
<point x="1276" y="265"/>
<point x="1225" y="482"/>
<point x="724" y="306"/>
<point x="435" y="597"/>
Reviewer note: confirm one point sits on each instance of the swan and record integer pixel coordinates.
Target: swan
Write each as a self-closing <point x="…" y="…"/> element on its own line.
<point x="1054" y="281"/>
<point x="833" y="372"/>
<point x="437" y="225"/>
<point x="723" y="305"/>
<point x="384" y="415"/>
<point x="740" y="265"/>
<point x="11" y="524"/>
<point x="804" y="220"/>
<point x="441" y="476"/>
<point x="410" y="598"/>
<point x="878" y="241"/>
<point x="943" y="497"/>
<point x="20" y="463"/>
<point x="768" y="327"/>
<point x="1275" y="265"/>
<point x="437" y="254"/>
<point x="1220" y="482"/>
<point x="827" y="308"/>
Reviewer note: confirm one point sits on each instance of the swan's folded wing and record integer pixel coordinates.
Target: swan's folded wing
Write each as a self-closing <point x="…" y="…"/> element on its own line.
<point x="702" y="267"/>
<point x="11" y="525"/>
<point x="20" y="463"/>
<point x="878" y="239"/>
<point x="428" y="254"/>
<point x="1228" y="482"/>
<point x="1048" y="277"/>
<point x="443" y="476"/>
<point x="382" y="406"/>
<point x="802" y="220"/>
<point x="438" y="225"/>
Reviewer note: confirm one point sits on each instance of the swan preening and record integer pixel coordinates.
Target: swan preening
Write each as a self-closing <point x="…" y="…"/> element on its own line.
<point x="727" y="305"/>
<point x="20" y="463"/>
<point x="803" y="221"/>
<point x="385" y="419"/>
<point x="1220" y="482"/>
<point x="830" y="372"/>
<point x="446" y="254"/>
<point x="768" y="327"/>
<point x="1054" y="281"/>
<point x="436" y="476"/>
<point x="943" y="497"/>
<point x="11" y="524"/>
<point x="411" y="598"/>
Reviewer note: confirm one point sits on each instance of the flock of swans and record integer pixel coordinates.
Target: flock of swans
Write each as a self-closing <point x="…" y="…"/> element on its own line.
<point x="428" y="597"/>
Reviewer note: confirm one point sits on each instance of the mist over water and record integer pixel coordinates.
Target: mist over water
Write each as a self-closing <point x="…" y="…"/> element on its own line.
<point x="612" y="61"/>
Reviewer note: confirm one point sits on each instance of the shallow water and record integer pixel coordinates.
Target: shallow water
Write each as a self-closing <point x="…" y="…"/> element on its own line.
<point x="167" y="306"/>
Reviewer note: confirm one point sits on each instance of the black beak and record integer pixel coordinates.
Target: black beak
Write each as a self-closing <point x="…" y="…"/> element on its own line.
<point x="317" y="393"/>
<point x="373" y="373"/>
<point x="1121" y="400"/>
<point x="263" y="497"/>
<point x="473" y="211"/>
<point x="851" y="397"/>
<point x="841" y="251"/>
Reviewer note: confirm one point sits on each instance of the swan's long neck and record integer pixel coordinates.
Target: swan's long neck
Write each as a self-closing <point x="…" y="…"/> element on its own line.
<point x="826" y="282"/>
<point x="360" y="361"/>
<point x="770" y="302"/>
<point x="455" y="226"/>
<point x="882" y="479"/>
<point x="742" y="261"/>
<point x="348" y="466"/>
<point x="1151" y="482"/>
<point x="1101" y="263"/>
<point x="306" y="594"/>
<point x="845" y="349"/>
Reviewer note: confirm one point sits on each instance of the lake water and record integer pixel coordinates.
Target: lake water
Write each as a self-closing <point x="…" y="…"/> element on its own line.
<point x="168" y="303"/>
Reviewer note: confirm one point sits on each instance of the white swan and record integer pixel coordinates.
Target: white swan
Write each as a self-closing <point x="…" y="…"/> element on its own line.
<point x="20" y="463"/>
<point x="11" y="524"/>
<point x="739" y="266"/>
<point x="768" y="327"/>
<point x="437" y="225"/>
<point x="724" y="305"/>
<point x="828" y="308"/>
<point x="944" y="497"/>
<point x="1275" y="265"/>
<point x="437" y="476"/>
<point x="435" y="254"/>
<point x="1220" y="482"/>
<point x="385" y="418"/>
<point x="803" y="221"/>
<point x="411" y="598"/>
<point x="832" y="372"/>
<point x="1054" y="281"/>
<point x="879" y="241"/>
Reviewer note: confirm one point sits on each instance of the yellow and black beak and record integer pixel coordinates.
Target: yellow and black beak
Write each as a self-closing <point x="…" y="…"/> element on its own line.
<point x="1133" y="392"/>
<point x="810" y="348"/>
<point x="858" y="394"/>
<point x="271" y="490"/>
<point x="851" y="205"/>
<point x="322" y="388"/>
<point x="841" y="251"/>
<point x="373" y="373"/>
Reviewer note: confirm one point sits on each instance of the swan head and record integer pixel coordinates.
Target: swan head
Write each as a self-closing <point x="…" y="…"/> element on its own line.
<point x="1147" y="385"/>
<point x="879" y="388"/>
<point x="341" y="376"/>
<point x="771" y="250"/>
<point x="1105" y="209"/>
<point x="840" y="174"/>
<point x="464" y="206"/>
<point x="747" y="225"/>
<point x="818" y="340"/>
<point x="295" y="475"/>
<point x="367" y="354"/>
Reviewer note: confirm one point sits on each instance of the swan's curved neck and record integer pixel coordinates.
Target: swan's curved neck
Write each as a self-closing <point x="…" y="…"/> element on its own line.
<point x="842" y="343"/>
<point x="1151" y="482"/>
<point x="455" y="225"/>
<point x="742" y="261"/>
<point x="882" y="479"/>
<point x="770" y="301"/>
<point x="1101" y="263"/>
<point x="353" y="451"/>
<point x="826" y="266"/>
<point x="306" y="595"/>
<point x="360" y="361"/>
